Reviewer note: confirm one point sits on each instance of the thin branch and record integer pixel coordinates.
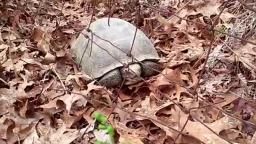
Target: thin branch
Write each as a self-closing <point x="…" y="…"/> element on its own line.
<point x="137" y="21"/>
<point x="55" y="72"/>
<point x="246" y="6"/>
<point x="88" y="39"/>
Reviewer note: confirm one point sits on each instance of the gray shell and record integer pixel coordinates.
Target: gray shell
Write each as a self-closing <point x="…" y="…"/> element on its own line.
<point x="100" y="56"/>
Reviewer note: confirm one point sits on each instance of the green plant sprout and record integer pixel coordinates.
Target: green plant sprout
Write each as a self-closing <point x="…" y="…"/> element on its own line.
<point x="103" y="128"/>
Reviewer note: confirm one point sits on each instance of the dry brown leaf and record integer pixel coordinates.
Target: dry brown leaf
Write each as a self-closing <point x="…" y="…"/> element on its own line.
<point x="6" y="129"/>
<point x="168" y="27"/>
<point x="70" y="99"/>
<point x="69" y="120"/>
<point x="24" y="131"/>
<point x="228" y="98"/>
<point x="42" y="39"/>
<point x="168" y="77"/>
<point x="50" y="105"/>
<point x="199" y="131"/>
<point x="124" y="116"/>
<point x="3" y="53"/>
<point x="33" y="138"/>
<point x="7" y="98"/>
<point x="8" y="65"/>
<point x="126" y="132"/>
<point x="9" y="35"/>
<point x="62" y="135"/>
<point x="27" y="74"/>
<point x="3" y="131"/>
<point x="124" y="97"/>
<point x="87" y="115"/>
<point x="4" y="106"/>
<point x="77" y="78"/>
<point x="76" y="13"/>
<point x="21" y="88"/>
<point x="253" y="140"/>
<point x="49" y="58"/>
<point x="149" y="108"/>
<point x="247" y="55"/>
<point x="179" y="90"/>
<point x="91" y="86"/>
<point x="23" y="110"/>
<point x="128" y="139"/>
<point x="207" y="8"/>
<point x="172" y="121"/>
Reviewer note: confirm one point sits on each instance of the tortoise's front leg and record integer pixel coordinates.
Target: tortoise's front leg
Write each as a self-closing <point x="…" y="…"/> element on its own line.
<point x="150" y="68"/>
<point x="111" y="79"/>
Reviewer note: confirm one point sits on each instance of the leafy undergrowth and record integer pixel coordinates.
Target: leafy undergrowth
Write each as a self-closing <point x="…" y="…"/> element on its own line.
<point x="204" y="94"/>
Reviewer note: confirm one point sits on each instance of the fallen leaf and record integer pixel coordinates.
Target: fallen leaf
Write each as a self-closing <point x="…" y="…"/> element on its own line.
<point x="42" y="39"/>
<point x="61" y="135"/>
<point x="128" y="139"/>
<point x="70" y="99"/>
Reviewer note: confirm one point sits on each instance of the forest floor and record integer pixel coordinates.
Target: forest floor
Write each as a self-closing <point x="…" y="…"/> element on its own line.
<point x="205" y="92"/>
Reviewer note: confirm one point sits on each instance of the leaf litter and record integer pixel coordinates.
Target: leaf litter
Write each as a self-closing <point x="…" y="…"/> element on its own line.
<point x="197" y="98"/>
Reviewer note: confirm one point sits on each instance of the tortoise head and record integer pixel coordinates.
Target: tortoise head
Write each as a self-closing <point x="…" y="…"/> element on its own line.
<point x="131" y="73"/>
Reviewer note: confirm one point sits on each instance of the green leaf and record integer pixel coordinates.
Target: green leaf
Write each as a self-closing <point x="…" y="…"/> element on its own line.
<point x="100" y="117"/>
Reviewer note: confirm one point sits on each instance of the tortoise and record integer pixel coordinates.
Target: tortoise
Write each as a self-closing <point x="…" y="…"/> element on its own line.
<point x="105" y="52"/>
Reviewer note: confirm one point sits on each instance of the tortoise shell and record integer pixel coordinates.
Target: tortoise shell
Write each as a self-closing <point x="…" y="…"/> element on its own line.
<point x="107" y="46"/>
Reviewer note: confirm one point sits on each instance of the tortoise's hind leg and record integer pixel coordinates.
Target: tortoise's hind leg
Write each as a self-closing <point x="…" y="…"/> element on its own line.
<point x="111" y="79"/>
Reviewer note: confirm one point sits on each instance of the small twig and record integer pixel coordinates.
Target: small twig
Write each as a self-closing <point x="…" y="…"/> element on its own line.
<point x="55" y="72"/>
<point x="230" y="35"/>
<point x="133" y="40"/>
<point x="211" y="47"/>
<point x="4" y="114"/>
<point x="102" y="48"/>
<point x="88" y="29"/>
<point x="84" y="52"/>
<point x="110" y="11"/>
<point x="91" y="46"/>
<point x="2" y="80"/>
<point x="182" y="129"/>
<point x="137" y="21"/>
